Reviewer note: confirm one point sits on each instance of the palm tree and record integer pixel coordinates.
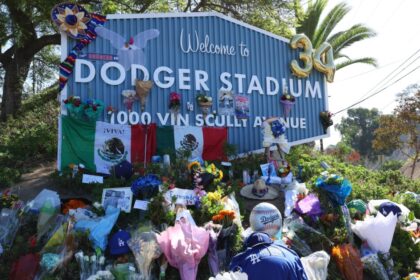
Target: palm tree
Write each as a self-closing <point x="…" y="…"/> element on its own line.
<point x="309" y="23"/>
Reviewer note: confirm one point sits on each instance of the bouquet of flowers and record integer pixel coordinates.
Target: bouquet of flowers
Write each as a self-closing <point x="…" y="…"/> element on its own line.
<point x="142" y="91"/>
<point x="129" y="98"/>
<point x="283" y="168"/>
<point x="287" y="100"/>
<point x="204" y="102"/>
<point x="224" y="217"/>
<point x="92" y="109"/>
<point x="147" y="186"/>
<point x="337" y="188"/>
<point x="326" y="119"/>
<point x="110" y="110"/>
<point x="89" y="110"/>
<point x="348" y="261"/>
<point x="379" y="231"/>
<point x="74" y="107"/>
<point x="174" y="102"/>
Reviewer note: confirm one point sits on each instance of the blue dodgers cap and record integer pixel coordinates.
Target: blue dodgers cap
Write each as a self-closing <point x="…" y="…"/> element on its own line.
<point x="118" y="243"/>
<point x="388" y="207"/>
<point x="257" y="238"/>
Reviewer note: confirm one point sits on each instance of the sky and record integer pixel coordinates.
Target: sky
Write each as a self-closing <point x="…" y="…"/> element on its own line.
<point x="397" y="24"/>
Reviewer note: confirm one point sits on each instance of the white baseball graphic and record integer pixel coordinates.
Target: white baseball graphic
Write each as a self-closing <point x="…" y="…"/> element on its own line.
<point x="267" y="218"/>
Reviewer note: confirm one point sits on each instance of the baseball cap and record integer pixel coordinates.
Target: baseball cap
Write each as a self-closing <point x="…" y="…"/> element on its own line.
<point x="118" y="243"/>
<point x="388" y="207"/>
<point x="257" y="238"/>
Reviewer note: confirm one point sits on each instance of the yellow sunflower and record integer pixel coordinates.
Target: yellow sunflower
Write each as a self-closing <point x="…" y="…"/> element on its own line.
<point x="73" y="20"/>
<point x="193" y="165"/>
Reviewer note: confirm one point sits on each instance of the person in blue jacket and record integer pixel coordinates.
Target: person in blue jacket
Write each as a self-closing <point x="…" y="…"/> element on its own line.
<point x="264" y="259"/>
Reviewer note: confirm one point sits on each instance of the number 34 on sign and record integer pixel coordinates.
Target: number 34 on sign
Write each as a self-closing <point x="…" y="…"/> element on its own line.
<point x="322" y="59"/>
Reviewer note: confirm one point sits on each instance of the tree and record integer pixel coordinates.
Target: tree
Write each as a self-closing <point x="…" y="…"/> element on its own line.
<point x="402" y="129"/>
<point x="43" y="70"/>
<point x="358" y="128"/>
<point x="319" y="31"/>
<point x="25" y="29"/>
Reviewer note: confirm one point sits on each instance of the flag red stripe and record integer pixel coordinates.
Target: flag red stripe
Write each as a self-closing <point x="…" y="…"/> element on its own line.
<point x="138" y="139"/>
<point x="214" y="139"/>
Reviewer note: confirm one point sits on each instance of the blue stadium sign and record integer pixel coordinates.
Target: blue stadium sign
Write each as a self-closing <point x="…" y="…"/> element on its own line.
<point x="244" y="70"/>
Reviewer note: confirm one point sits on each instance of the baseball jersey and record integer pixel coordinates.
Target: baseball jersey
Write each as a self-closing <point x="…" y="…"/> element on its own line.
<point x="269" y="262"/>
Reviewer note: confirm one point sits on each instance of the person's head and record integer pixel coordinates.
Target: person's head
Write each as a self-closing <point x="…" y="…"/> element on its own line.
<point x="257" y="238"/>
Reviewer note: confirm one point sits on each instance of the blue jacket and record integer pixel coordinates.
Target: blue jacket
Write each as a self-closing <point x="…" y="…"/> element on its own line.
<point x="265" y="260"/>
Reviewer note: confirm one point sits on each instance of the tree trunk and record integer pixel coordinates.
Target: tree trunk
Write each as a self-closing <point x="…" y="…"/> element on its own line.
<point x="321" y="145"/>
<point x="413" y="167"/>
<point x="14" y="78"/>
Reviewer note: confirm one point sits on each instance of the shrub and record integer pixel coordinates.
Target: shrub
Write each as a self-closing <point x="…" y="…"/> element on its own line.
<point x="391" y="165"/>
<point x="30" y="137"/>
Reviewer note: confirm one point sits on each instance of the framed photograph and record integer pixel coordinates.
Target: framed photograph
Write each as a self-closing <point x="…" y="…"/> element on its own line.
<point x="118" y="197"/>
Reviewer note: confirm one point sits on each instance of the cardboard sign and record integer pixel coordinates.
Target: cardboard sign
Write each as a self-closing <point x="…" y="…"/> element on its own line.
<point x="183" y="196"/>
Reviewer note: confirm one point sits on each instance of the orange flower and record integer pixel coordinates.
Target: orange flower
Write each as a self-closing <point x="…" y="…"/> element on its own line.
<point x="217" y="218"/>
<point x="348" y="261"/>
<point x="223" y="212"/>
<point x="231" y="215"/>
<point x="73" y="204"/>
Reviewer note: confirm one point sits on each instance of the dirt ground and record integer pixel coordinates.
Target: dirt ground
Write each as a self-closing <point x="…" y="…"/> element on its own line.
<point x="37" y="180"/>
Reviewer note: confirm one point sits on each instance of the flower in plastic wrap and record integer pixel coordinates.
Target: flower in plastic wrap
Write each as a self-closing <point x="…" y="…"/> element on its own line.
<point x="230" y="276"/>
<point x="145" y="249"/>
<point x="348" y="261"/>
<point x="338" y="189"/>
<point x="46" y="216"/>
<point x="50" y="261"/>
<point x="57" y="238"/>
<point x="100" y="228"/>
<point x="373" y="265"/>
<point x="377" y="231"/>
<point x="316" y="265"/>
<point x="309" y="205"/>
<point x="184" y="245"/>
<point x="146" y="186"/>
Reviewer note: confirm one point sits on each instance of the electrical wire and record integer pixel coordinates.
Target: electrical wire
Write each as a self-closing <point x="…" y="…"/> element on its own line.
<point x="363" y="73"/>
<point x="375" y="93"/>
<point x="392" y="72"/>
<point x="384" y="79"/>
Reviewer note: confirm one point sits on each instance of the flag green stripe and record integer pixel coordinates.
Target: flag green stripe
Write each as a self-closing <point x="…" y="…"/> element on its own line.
<point x="78" y="140"/>
<point x="165" y="140"/>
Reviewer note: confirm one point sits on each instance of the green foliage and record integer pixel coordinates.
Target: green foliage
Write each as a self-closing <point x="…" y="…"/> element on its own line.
<point x="404" y="252"/>
<point x="367" y="184"/>
<point x="29" y="138"/>
<point x="157" y="214"/>
<point x="410" y="202"/>
<point x="391" y="165"/>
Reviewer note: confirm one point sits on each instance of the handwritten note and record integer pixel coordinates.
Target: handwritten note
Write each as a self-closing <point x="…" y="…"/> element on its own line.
<point x="141" y="204"/>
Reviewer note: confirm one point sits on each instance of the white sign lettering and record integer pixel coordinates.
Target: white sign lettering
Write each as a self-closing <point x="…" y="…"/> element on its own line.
<point x="188" y="79"/>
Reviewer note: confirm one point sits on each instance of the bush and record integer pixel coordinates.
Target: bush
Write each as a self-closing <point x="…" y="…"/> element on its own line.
<point x="391" y="165"/>
<point x="29" y="138"/>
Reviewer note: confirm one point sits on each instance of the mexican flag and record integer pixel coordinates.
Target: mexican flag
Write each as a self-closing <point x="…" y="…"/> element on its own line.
<point x="205" y="142"/>
<point x="100" y="145"/>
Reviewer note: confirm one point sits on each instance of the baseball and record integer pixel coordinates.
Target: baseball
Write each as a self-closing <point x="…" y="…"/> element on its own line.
<point x="267" y="218"/>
